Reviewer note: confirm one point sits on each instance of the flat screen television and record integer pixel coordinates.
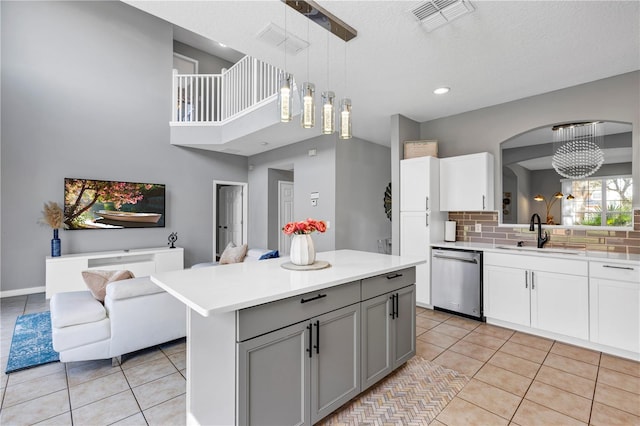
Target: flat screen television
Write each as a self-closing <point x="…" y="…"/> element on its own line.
<point x="104" y="204"/>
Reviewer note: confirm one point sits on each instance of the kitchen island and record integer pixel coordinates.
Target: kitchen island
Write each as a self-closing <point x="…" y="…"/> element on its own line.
<point x="267" y="345"/>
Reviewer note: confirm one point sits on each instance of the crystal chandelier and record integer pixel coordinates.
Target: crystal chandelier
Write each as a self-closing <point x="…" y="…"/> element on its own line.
<point x="578" y="152"/>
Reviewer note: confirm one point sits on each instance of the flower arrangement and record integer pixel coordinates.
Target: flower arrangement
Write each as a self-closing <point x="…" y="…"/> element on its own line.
<point x="53" y="216"/>
<point x="304" y="227"/>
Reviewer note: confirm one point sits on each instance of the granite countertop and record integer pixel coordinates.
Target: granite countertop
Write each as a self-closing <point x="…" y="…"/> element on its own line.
<point x="632" y="259"/>
<point x="226" y="288"/>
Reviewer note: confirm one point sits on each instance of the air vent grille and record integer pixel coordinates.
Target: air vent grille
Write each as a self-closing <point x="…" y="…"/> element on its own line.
<point x="435" y="13"/>
<point x="275" y="36"/>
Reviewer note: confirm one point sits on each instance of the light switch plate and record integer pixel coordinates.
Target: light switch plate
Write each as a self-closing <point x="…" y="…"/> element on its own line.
<point x="478" y="227"/>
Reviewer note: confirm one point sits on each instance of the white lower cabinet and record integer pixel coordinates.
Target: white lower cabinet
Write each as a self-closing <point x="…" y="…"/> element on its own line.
<point x="615" y="305"/>
<point x="543" y="293"/>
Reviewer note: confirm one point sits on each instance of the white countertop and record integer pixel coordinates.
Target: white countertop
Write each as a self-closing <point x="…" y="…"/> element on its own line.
<point x="633" y="259"/>
<point x="226" y="288"/>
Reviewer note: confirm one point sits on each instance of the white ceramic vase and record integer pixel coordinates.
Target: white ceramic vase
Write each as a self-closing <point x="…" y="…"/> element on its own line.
<point x="302" y="251"/>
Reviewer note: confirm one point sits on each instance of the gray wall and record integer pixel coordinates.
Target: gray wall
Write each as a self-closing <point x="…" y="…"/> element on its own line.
<point x="207" y="64"/>
<point x="610" y="99"/>
<point x="274" y="176"/>
<point x="312" y="174"/>
<point x="363" y="171"/>
<point x="86" y="92"/>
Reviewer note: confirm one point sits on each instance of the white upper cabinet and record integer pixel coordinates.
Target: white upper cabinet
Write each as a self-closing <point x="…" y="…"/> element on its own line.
<point x="419" y="184"/>
<point x="466" y="183"/>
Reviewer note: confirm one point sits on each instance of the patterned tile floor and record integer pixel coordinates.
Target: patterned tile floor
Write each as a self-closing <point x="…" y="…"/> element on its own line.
<point x="515" y="378"/>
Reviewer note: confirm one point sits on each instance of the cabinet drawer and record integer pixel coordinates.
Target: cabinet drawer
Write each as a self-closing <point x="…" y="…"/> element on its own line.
<point x="262" y="319"/>
<point x="545" y="264"/>
<point x="615" y="271"/>
<point x="375" y="286"/>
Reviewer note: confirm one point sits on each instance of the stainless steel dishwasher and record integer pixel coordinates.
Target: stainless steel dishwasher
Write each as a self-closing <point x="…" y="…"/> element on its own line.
<point x="456" y="281"/>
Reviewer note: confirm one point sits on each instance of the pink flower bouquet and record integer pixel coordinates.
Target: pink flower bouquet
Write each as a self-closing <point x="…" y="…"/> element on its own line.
<point x="304" y="227"/>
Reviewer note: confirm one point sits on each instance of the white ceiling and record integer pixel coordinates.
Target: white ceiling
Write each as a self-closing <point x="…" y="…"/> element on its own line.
<point x="504" y="50"/>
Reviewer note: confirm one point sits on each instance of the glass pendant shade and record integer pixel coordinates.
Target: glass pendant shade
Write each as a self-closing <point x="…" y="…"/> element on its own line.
<point x="345" y="118"/>
<point x="286" y="80"/>
<point x="308" y="113"/>
<point x="328" y="113"/>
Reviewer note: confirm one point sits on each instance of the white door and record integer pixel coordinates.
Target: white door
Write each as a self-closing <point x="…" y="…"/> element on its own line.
<point x="506" y="295"/>
<point x="560" y="303"/>
<point x="414" y="241"/>
<point x="285" y="214"/>
<point x="229" y="216"/>
<point x="414" y="184"/>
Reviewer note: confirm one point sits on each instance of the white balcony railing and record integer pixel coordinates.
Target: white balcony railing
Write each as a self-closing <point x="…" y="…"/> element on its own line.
<point x="216" y="98"/>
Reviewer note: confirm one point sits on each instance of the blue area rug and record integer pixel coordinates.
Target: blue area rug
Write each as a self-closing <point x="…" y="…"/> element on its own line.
<point x="31" y="344"/>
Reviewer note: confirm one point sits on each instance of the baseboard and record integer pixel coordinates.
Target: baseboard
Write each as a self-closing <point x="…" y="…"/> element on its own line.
<point x="21" y="291"/>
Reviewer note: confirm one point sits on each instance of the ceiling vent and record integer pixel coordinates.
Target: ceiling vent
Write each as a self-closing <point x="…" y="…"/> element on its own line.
<point x="275" y="36"/>
<point x="435" y="13"/>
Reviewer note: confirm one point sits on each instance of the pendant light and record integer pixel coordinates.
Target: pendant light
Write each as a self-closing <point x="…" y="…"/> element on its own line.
<point x="345" y="105"/>
<point x="308" y="104"/>
<point x="286" y="80"/>
<point x="328" y="98"/>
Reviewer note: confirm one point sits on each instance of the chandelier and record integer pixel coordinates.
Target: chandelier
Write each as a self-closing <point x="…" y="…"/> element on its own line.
<point x="578" y="152"/>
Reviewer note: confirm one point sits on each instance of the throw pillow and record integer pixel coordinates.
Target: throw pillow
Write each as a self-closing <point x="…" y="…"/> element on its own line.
<point x="233" y="254"/>
<point x="97" y="280"/>
<point x="270" y="255"/>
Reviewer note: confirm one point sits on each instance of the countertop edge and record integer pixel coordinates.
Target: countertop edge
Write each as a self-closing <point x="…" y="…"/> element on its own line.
<point x="591" y="256"/>
<point x="254" y="301"/>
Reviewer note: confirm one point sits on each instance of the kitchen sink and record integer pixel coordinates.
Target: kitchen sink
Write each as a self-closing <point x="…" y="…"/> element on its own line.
<point x="542" y="250"/>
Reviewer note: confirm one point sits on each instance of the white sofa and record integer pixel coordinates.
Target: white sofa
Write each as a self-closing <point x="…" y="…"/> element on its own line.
<point x="136" y="314"/>
<point x="252" y="256"/>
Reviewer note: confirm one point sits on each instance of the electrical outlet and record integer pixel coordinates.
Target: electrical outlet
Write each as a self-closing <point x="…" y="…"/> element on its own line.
<point x="478" y="227"/>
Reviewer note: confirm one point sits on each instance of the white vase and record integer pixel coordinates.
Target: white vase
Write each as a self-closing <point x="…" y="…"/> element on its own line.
<point x="302" y="250"/>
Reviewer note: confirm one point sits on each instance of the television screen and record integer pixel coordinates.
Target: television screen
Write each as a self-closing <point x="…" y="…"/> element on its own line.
<point x="103" y="204"/>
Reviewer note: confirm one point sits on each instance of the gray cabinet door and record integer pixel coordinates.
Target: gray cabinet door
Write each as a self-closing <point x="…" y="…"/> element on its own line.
<point x="405" y="325"/>
<point x="376" y="339"/>
<point x="335" y="362"/>
<point x="273" y="375"/>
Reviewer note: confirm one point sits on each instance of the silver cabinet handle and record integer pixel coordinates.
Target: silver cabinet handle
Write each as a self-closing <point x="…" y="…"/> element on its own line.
<point x="426" y="219"/>
<point x="426" y="203"/>
<point x="526" y="279"/>
<point x="628" y="268"/>
<point x="483" y="207"/>
<point x="533" y="285"/>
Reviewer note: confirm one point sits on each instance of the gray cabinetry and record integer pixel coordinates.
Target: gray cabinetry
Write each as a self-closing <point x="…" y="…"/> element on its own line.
<point x="388" y="330"/>
<point x="335" y="360"/>
<point x="298" y="374"/>
<point x="273" y="375"/>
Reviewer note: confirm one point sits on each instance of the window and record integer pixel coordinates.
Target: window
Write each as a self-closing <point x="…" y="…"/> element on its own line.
<point x="599" y="201"/>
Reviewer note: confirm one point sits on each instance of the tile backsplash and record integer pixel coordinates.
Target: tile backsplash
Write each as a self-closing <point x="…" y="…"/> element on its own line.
<point x="581" y="239"/>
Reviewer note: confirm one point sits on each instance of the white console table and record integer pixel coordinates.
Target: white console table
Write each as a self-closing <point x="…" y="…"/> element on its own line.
<point x="64" y="273"/>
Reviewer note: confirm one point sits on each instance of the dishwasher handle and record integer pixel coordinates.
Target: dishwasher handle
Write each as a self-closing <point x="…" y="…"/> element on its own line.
<point x="460" y="259"/>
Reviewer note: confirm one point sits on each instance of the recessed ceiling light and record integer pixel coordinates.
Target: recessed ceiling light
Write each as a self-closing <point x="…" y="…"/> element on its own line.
<point x="222" y="45"/>
<point x="264" y="143"/>
<point x="441" y="90"/>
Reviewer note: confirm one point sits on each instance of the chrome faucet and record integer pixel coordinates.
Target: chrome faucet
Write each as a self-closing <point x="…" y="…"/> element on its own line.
<point x="541" y="240"/>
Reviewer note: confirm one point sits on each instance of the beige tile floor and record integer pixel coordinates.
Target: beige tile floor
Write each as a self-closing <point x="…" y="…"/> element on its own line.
<point x="520" y="379"/>
<point x="516" y="378"/>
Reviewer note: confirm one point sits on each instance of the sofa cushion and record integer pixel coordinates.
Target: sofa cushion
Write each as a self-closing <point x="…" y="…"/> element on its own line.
<point x="97" y="280"/>
<point x="75" y="307"/>
<point x="233" y="254"/>
<point x="133" y="287"/>
<point x="81" y="334"/>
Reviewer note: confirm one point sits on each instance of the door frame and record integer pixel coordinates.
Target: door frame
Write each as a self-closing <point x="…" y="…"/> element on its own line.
<point x="245" y="208"/>
<point x="280" y="183"/>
